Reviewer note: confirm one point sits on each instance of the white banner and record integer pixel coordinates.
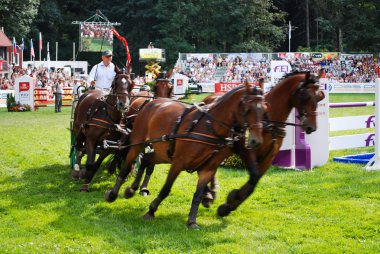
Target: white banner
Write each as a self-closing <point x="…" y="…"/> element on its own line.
<point x="278" y="70"/>
<point x="351" y="87"/>
<point x="180" y="83"/>
<point x="355" y="122"/>
<point x="24" y="90"/>
<point x="3" y="97"/>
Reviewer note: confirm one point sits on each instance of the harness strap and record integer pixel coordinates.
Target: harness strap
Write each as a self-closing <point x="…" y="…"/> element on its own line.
<point x="171" y="148"/>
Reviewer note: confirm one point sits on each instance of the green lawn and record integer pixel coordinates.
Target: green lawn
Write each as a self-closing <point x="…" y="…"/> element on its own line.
<point x="331" y="209"/>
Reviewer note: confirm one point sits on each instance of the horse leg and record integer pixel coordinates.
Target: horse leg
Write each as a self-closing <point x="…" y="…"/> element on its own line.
<point x="76" y="173"/>
<point x="204" y="176"/>
<point x="173" y="173"/>
<point x="149" y="165"/>
<point x="131" y="190"/>
<point x="91" y="154"/>
<point x="125" y="169"/>
<point x="210" y="193"/>
<point x="237" y="196"/>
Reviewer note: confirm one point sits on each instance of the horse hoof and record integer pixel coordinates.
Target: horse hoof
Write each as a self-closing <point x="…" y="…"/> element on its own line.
<point x="148" y="216"/>
<point x="76" y="167"/>
<point x="85" y="188"/>
<point x="144" y="192"/>
<point x="206" y="202"/>
<point x="193" y="225"/>
<point x="75" y="175"/>
<point x="129" y="192"/>
<point x="110" y="196"/>
<point x="223" y="210"/>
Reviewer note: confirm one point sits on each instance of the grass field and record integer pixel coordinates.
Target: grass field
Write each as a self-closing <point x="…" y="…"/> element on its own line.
<point x="331" y="209"/>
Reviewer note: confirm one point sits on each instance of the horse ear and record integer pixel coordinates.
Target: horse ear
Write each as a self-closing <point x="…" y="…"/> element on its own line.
<point x="117" y="70"/>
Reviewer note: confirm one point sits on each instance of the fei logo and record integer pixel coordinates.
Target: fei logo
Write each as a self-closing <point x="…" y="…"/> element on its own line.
<point x="281" y="68"/>
<point x="370" y="120"/>
<point x="370" y="141"/>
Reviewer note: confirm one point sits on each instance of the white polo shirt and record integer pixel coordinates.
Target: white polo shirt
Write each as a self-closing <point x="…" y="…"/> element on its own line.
<point x="104" y="75"/>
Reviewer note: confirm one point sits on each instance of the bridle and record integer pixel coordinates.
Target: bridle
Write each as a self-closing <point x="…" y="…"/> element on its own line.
<point x="113" y="93"/>
<point x="304" y="97"/>
<point x="245" y="108"/>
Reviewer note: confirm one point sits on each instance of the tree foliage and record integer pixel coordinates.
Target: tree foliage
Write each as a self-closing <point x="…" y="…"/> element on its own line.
<point x="200" y="25"/>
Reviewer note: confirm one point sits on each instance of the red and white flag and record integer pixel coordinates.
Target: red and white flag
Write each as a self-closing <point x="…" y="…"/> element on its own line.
<point x="32" y="49"/>
<point x="14" y="47"/>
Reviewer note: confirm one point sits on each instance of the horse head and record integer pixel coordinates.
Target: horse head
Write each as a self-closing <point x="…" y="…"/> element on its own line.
<point x="251" y="112"/>
<point x="121" y="89"/>
<point x="163" y="87"/>
<point x="305" y="99"/>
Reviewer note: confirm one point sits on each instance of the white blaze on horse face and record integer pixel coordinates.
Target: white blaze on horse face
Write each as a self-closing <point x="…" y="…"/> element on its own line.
<point x="124" y="80"/>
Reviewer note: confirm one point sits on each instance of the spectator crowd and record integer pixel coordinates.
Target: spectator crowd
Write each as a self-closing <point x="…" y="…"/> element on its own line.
<point x="344" y="68"/>
<point x="44" y="78"/>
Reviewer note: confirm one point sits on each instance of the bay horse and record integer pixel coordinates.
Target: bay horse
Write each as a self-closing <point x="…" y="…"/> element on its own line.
<point x="297" y="90"/>
<point x="205" y="135"/>
<point x="162" y="88"/>
<point x="97" y="116"/>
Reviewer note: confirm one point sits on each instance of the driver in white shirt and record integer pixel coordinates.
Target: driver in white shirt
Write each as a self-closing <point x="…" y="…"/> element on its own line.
<point x="102" y="74"/>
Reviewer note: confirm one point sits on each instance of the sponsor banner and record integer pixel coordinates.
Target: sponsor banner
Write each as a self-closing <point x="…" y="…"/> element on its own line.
<point x="151" y="54"/>
<point x="319" y="56"/>
<point x="224" y="87"/>
<point x="180" y="83"/>
<point x="293" y="55"/>
<point x="24" y="90"/>
<point x="352" y="141"/>
<point x="351" y="87"/>
<point x="278" y="70"/>
<point x="356" y="122"/>
<point x="3" y="97"/>
<point x="95" y="37"/>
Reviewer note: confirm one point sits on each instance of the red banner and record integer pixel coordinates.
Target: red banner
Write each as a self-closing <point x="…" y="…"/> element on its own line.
<point x="225" y="87"/>
<point x="24" y="86"/>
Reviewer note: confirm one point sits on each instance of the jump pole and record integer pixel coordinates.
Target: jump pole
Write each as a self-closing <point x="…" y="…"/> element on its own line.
<point x="374" y="163"/>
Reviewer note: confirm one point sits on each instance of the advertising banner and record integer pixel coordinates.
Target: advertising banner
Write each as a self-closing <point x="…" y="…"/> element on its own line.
<point x="180" y="83"/>
<point x="226" y="87"/>
<point x="95" y="37"/>
<point x="351" y="87"/>
<point x="3" y="97"/>
<point x="24" y="90"/>
<point x="278" y="70"/>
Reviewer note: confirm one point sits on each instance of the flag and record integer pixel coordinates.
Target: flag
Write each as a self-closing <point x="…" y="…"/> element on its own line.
<point x="290" y="30"/>
<point x="31" y="49"/>
<point x="22" y="44"/>
<point x="48" y="56"/>
<point x="14" y="47"/>
<point x="40" y="41"/>
<point x="48" y="52"/>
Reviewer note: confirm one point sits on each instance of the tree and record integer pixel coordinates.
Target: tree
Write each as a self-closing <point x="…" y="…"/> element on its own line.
<point x="17" y="16"/>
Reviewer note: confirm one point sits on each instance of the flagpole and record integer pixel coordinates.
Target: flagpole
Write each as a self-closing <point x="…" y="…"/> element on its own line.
<point x="290" y="33"/>
<point x="56" y="51"/>
<point x="40" y="45"/>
